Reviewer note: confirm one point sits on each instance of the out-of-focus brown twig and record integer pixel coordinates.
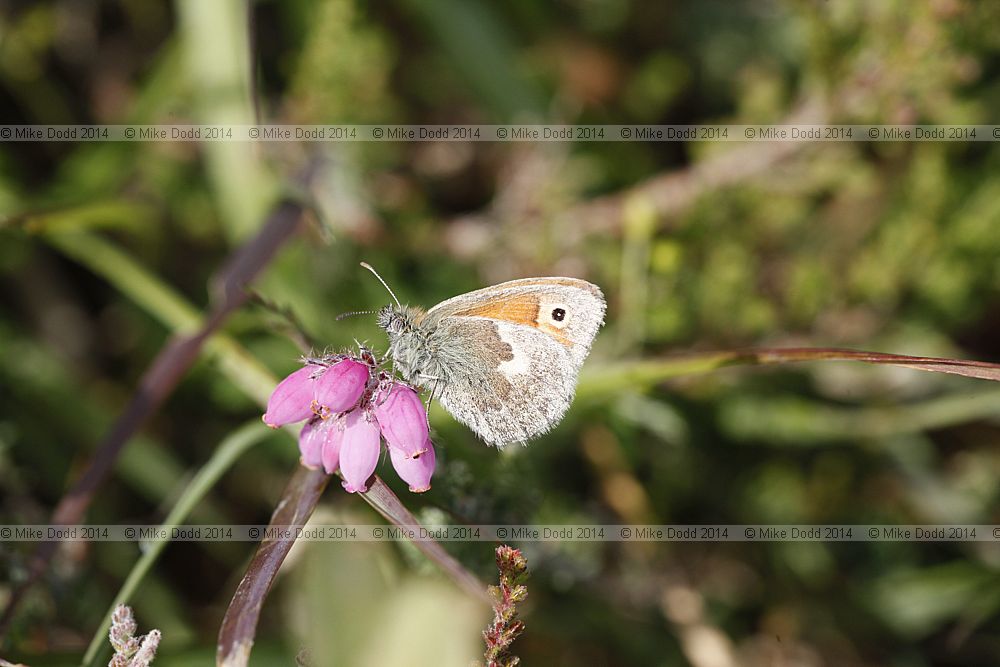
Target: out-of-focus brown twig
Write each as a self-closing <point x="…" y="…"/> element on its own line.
<point x="381" y="497"/>
<point x="290" y="324"/>
<point x="611" y="377"/>
<point x="171" y="364"/>
<point x="239" y="626"/>
<point x="982" y="370"/>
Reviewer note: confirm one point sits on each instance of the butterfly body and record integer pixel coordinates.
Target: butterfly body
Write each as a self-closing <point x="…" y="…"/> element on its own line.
<point x="503" y="360"/>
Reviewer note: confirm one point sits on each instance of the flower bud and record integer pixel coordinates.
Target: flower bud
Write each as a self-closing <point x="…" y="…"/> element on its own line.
<point x="291" y="400"/>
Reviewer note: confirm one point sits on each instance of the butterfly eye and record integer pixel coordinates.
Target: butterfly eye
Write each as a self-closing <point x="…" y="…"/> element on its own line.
<point x="558" y="314"/>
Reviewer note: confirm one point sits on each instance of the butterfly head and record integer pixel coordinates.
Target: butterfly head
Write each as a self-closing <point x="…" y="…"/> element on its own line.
<point x="407" y="344"/>
<point x="396" y="320"/>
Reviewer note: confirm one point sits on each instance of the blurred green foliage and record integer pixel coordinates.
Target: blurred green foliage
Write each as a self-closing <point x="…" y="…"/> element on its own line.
<point x="885" y="246"/>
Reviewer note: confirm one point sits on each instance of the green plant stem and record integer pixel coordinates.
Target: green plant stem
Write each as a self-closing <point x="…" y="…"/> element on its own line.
<point x="791" y="420"/>
<point x="610" y="379"/>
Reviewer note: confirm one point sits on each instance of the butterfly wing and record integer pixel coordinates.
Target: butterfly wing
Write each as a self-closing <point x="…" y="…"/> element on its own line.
<point x="514" y="353"/>
<point x="536" y="303"/>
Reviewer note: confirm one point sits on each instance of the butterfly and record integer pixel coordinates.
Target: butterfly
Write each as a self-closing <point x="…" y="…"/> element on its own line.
<point x="503" y="360"/>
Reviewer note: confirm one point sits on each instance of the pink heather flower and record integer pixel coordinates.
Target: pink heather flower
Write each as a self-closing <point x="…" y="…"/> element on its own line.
<point x="402" y="419"/>
<point x="415" y="470"/>
<point x="319" y="443"/>
<point x="349" y="405"/>
<point x="340" y="386"/>
<point x="291" y="401"/>
<point x="359" y="451"/>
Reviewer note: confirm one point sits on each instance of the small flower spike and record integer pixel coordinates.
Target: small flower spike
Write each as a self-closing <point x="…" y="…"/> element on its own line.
<point x="130" y="651"/>
<point x="506" y="625"/>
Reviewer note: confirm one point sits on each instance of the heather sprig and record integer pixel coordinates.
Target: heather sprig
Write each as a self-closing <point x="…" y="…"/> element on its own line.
<point x="506" y="626"/>
<point x="130" y="651"/>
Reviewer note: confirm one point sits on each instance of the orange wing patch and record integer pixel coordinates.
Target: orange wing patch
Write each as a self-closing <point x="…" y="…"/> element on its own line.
<point x="556" y="333"/>
<point x="522" y="309"/>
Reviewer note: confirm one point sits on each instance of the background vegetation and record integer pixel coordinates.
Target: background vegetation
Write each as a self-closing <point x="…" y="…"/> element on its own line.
<point x="106" y="250"/>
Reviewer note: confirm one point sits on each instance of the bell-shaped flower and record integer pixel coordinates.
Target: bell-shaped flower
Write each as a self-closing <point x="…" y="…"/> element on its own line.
<point x="359" y="450"/>
<point x="416" y="469"/>
<point x="340" y="386"/>
<point x="291" y="400"/>
<point x="311" y="443"/>
<point x="402" y="419"/>
<point x="319" y="443"/>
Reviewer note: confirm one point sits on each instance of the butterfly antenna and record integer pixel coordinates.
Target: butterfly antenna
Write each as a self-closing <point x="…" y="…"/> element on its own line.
<point x="353" y="313"/>
<point x="386" y="286"/>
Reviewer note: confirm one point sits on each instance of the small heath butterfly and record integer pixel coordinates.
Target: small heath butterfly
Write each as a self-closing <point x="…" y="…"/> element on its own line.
<point x="502" y="360"/>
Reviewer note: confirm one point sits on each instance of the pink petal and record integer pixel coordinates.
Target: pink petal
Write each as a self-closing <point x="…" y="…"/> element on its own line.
<point x="311" y="444"/>
<point x="291" y="400"/>
<point x="359" y="451"/>
<point x="415" y="470"/>
<point x="402" y="419"/>
<point x="341" y="385"/>
<point x="332" y="443"/>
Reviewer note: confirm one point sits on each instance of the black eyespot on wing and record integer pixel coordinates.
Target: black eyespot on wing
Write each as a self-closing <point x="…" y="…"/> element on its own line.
<point x="558" y="314"/>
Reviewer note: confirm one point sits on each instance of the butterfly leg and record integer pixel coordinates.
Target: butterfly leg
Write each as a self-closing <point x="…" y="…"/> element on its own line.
<point x="427" y="404"/>
<point x="434" y="388"/>
<point x="424" y="377"/>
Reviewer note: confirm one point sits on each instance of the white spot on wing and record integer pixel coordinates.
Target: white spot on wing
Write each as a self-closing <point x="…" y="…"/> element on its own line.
<point x="521" y="363"/>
